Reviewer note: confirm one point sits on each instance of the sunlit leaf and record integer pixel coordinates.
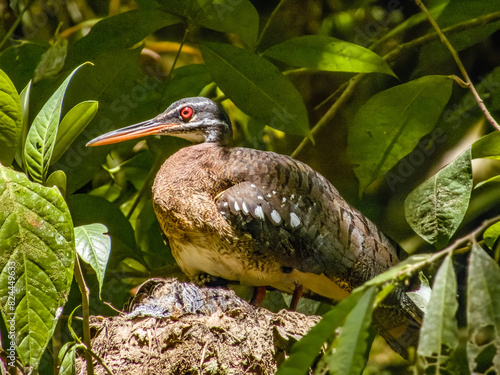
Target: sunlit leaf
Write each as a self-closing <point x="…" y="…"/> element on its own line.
<point x="37" y="247"/>
<point x="439" y="333"/>
<point x="94" y="247"/>
<point x="322" y="52"/>
<point x="42" y="134"/>
<point x="72" y="125"/>
<point x="305" y="351"/>
<point x="436" y="208"/>
<point x="11" y="119"/>
<point x="491" y="235"/>
<point x="487" y="146"/>
<point x="483" y="306"/>
<point x="52" y="60"/>
<point x="67" y="359"/>
<point x="391" y="123"/>
<point x="257" y="87"/>
<point x="25" y="100"/>
<point x="348" y="355"/>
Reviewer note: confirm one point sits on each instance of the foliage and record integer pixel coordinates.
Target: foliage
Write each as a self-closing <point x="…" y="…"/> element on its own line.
<point x="374" y="86"/>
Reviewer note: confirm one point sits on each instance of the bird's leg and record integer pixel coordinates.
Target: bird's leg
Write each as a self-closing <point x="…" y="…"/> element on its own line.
<point x="297" y="293"/>
<point x="259" y="292"/>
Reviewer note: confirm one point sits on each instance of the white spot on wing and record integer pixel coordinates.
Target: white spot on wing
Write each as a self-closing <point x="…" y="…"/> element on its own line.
<point x="245" y="208"/>
<point x="275" y="215"/>
<point x="259" y="212"/>
<point x="236" y="206"/>
<point x="294" y="220"/>
<point x="283" y="200"/>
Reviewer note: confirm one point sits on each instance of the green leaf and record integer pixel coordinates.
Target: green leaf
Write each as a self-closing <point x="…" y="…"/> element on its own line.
<point x="59" y="180"/>
<point x="350" y="349"/>
<point x="94" y="247"/>
<point x="20" y="61"/>
<point x="25" y="100"/>
<point x="305" y="351"/>
<point x="37" y="247"/>
<point x="439" y="333"/>
<point x="491" y="235"/>
<point x="257" y="87"/>
<point x="120" y="32"/>
<point x="72" y="125"/>
<point x="390" y="124"/>
<point x="52" y="60"/>
<point x="42" y="134"/>
<point x="436" y="208"/>
<point x="326" y="53"/>
<point x="67" y="359"/>
<point x="483" y="306"/>
<point x="11" y="119"/>
<point x="487" y="146"/>
<point x="228" y="16"/>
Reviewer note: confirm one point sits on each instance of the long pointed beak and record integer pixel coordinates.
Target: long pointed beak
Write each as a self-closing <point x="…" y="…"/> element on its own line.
<point x="141" y="129"/>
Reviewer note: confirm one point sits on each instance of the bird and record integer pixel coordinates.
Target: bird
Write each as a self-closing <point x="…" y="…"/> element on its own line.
<point x="264" y="219"/>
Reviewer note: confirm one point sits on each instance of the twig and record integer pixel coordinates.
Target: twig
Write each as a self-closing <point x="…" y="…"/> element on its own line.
<point x="392" y="56"/>
<point x="84" y="290"/>
<point x="331" y="113"/>
<point x="454" y="53"/>
<point x="15" y="24"/>
<point x="454" y="248"/>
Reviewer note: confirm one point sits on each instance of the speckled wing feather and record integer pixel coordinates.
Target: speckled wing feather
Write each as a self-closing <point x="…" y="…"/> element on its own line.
<point x="296" y="216"/>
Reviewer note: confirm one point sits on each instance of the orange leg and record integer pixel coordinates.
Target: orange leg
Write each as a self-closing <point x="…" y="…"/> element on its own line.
<point x="259" y="293"/>
<point x="297" y="293"/>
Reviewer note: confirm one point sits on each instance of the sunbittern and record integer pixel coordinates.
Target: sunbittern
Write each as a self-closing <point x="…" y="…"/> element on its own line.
<point x="264" y="219"/>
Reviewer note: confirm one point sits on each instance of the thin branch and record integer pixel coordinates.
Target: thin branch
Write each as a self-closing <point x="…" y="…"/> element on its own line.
<point x="454" y="53"/>
<point x="15" y="24"/>
<point x="84" y="290"/>
<point x="331" y="113"/>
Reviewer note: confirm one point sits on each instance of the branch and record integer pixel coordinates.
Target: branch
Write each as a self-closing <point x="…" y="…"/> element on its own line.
<point x="454" y="53"/>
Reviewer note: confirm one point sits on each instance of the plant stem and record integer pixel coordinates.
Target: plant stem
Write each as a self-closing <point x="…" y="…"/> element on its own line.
<point x="15" y="24"/>
<point x="459" y="63"/>
<point x="84" y="290"/>
<point x="331" y="113"/>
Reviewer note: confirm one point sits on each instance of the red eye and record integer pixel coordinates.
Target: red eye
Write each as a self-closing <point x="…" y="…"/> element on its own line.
<point x="186" y="113"/>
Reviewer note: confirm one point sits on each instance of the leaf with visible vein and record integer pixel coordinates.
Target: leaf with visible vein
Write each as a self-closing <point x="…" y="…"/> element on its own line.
<point x="37" y="247"/>
<point x="94" y="247"/>
<point x="391" y="123"/>
<point x="43" y="132"/>
<point x="436" y="208"/>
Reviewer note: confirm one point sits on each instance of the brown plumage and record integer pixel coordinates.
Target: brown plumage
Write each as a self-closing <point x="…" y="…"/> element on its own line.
<point x="265" y="219"/>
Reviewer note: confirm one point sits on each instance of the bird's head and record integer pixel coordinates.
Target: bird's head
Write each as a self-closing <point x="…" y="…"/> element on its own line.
<point x="196" y="119"/>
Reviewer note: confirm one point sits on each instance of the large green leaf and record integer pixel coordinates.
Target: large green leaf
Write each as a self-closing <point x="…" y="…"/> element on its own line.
<point x="11" y="119"/>
<point x="257" y="87"/>
<point x="439" y="333"/>
<point x="37" y="248"/>
<point x="326" y="53"/>
<point x="436" y="208"/>
<point x="305" y="351"/>
<point x="72" y="125"/>
<point x="20" y="60"/>
<point x="348" y="356"/>
<point x="483" y="307"/>
<point x="94" y="247"/>
<point x="120" y="32"/>
<point x="43" y="132"/>
<point x="229" y="16"/>
<point x="390" y="124"/>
